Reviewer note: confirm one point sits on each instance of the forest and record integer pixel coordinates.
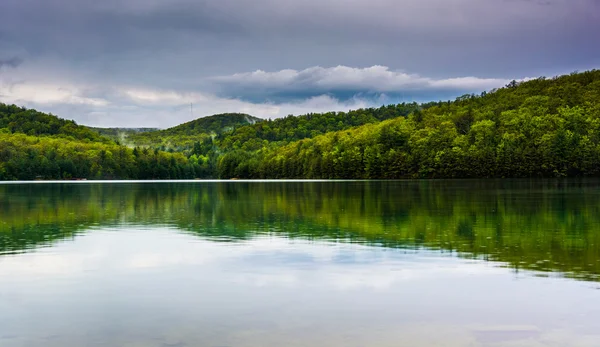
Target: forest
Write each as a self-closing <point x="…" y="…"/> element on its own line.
<point x="34" y="145"/>
<point x="545" y="127"/>
<point x="183" y="137"/>
<point x="539" y="128"/>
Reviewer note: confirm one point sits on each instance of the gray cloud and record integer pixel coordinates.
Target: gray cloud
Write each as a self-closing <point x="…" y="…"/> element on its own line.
<point x="343" y="82"/>
<point x="82" y="52"/>
<point x="11" y="62"/>
<point x="432" y="37"/>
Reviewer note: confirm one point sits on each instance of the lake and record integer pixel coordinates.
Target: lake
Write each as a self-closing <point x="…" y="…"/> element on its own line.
<point x="276" y="263"/>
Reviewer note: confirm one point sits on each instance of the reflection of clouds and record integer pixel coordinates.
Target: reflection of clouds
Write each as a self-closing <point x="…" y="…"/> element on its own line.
<point x="263" y="261"/>
<point x="157" y="260"/>
<point x="46" y="263"/>
<point x="269" y="291"/>
<point x="266" y="279"/>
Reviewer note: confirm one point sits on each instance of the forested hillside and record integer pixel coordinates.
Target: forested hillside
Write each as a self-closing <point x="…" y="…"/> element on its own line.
<point x="14" y="119"/>
<point x="540" y="128"/>
<point x="183" y="137"/>
<point x="205" y="140"/>
<point x="292" y="128"/>
<point x="34" y="145"/>
<point x="225" y="132"/>
<point x="217" y="124"/>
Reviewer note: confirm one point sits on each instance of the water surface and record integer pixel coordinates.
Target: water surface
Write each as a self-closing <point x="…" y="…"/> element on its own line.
<point x="400" y="263"/>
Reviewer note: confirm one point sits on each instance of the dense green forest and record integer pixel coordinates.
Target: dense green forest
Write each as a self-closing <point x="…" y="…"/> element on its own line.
<point x="546" y="127"/>
<point x="14" y="119"/>
<point x="214" y="135"/>
<point x="291" y="128"/>
<point x="205" y="140"/>
<point x="24" y="157"/>
<point x="184" y="137"/>
<point x="34" y="145"/>
<point x="539" y="128"/>
<point x="190" y="150"/>
<point x="490" y="219"/>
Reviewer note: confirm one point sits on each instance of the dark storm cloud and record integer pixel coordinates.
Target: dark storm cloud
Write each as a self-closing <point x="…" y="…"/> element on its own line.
<point x="422" y="36"/>
<point x="89" y="52"/>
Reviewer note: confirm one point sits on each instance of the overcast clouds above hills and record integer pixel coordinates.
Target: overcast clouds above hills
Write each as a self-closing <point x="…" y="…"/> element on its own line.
<point x="142" y="62"/>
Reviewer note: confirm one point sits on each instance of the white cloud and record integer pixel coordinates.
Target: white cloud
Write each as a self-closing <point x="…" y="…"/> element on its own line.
<point x="372" y="268"/>
<point x="136" y="107"/>
<point x="47" y="94"/>
<point x="376" y="78"/>
<point x="145" y="96"/>
<point x="367" y="295"/>
<point x="103" y="102"/>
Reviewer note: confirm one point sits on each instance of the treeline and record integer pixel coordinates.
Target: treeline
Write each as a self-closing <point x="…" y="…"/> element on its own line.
<point x="14" y="119"/>
<point x="539" y="128"/>
<point x="293" y="128"/>
<point x="24" y="157"/>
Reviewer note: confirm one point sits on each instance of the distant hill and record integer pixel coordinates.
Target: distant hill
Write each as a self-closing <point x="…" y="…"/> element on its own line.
<point x="182" y="138"/>
<point x="217" y="123"/>
<point x="15" y="119"/>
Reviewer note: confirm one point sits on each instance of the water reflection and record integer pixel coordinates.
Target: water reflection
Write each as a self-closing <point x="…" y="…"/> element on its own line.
<point x="550" y="226"/>
<point x="409" y="263"/>
<point x="154" y="287"/>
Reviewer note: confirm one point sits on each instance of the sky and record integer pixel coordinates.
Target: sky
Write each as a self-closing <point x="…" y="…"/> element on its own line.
<point x="158" y="63"/>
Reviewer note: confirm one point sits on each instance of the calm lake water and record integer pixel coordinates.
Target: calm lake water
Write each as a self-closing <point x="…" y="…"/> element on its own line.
<point x="272" y="264"/>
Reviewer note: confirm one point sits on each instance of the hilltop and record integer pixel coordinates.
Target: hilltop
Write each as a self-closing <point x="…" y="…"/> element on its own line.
<point x="218" y="123"/>
<point x="15" y="119"/>
<point x="181" y="138"/>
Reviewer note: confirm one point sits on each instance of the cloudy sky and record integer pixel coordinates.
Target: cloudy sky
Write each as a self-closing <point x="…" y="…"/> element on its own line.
<point x="142" y="62"/>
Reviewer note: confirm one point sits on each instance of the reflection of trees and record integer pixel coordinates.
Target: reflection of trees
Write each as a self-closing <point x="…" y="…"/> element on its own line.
<point x="547" y="226"/>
